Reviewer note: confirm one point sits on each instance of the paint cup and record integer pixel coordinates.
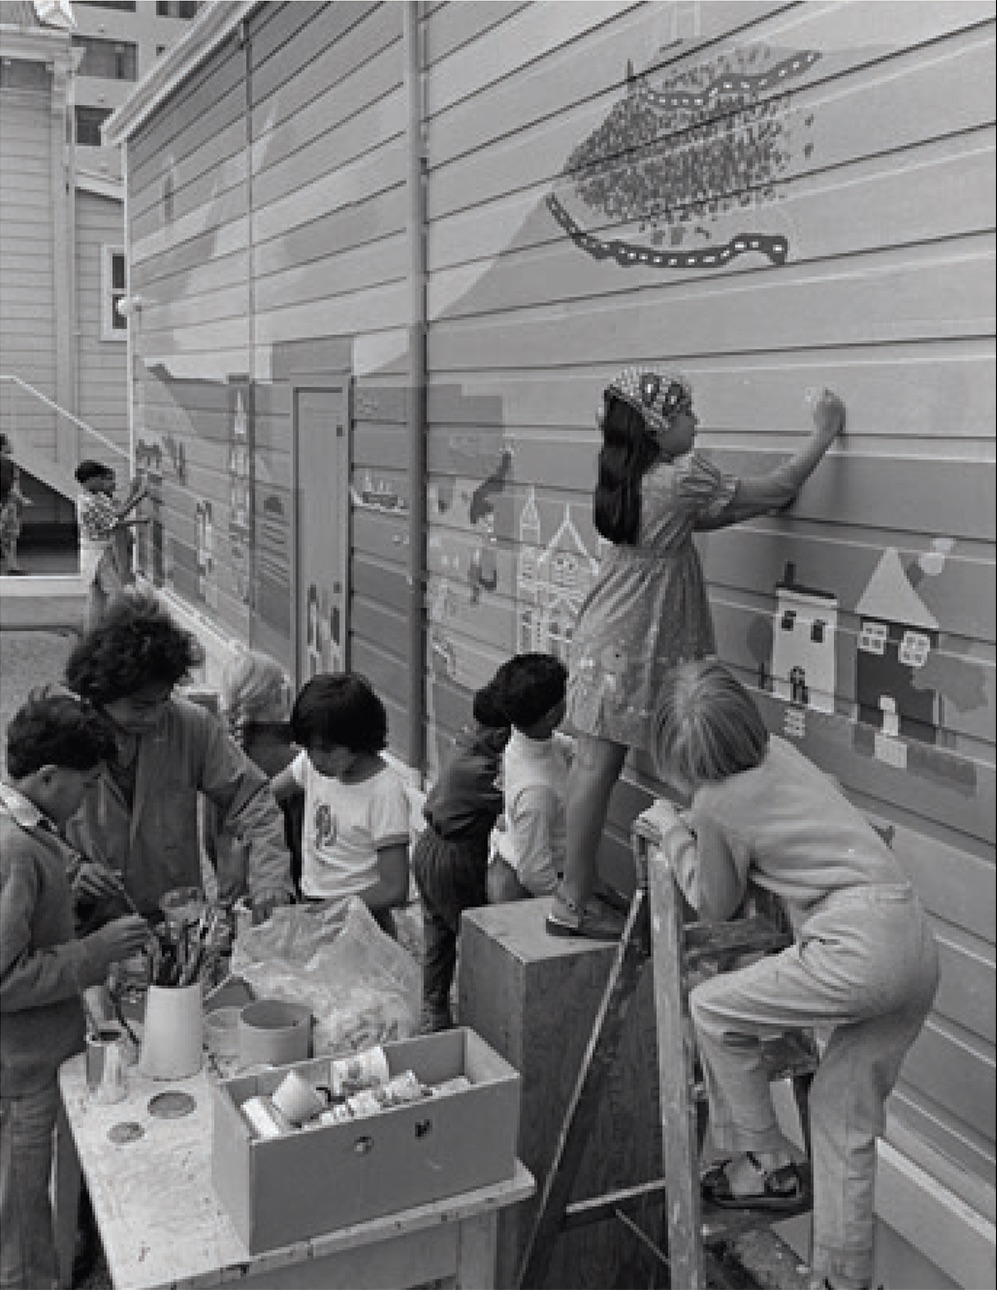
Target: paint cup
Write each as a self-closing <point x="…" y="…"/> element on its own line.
<point x="296" y="1099"/>
<point x="173" y="1032"/>
<point x="221" y="1031"/>
<point x="106" y="1063"/>
<point x="367" y="1069"/>
<point x="182" y="907"/>
<point x="273" y="1032"/>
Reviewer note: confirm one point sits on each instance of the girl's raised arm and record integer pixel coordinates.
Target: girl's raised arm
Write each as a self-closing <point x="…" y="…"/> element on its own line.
<point x="760" y="494"/>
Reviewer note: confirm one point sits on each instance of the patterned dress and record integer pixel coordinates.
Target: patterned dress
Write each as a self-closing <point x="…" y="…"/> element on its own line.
<point x="648" y="609"/>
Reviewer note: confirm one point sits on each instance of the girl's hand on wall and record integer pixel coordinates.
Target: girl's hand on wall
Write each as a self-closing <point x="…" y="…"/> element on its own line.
<point x="829" y="415"/>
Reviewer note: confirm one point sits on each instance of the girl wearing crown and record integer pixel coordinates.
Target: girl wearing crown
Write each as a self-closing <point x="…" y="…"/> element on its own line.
<point x="648" y="609"/>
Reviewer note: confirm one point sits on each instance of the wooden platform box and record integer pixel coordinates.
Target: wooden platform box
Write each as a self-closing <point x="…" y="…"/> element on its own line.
<point x="286" y="1189"/>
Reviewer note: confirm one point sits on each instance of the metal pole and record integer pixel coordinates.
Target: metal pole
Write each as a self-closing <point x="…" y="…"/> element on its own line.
<point x="417" y="381"/>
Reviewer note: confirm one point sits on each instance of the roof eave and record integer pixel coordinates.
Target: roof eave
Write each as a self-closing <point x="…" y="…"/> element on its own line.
<point x="216" y="21"/>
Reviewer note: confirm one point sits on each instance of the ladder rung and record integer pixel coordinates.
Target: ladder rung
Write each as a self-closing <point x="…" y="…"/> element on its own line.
<point x="786" y="1057"/>
<point x="596" y="1208"/>
<point x="743" y="936"/>
<point x="722" y="1224"/>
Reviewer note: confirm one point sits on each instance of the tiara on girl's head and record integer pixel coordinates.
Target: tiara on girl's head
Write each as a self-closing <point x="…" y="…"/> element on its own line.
<point x="657" y="393"/>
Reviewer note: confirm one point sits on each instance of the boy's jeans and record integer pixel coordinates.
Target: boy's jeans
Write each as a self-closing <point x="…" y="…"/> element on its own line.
<point x="27" y="1243"/>
<point x="865" y="963"/>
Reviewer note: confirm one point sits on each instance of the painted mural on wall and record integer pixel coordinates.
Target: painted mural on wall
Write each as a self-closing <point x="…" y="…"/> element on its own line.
<point x="239" y="493"/>
<point x="685" y="168"/>
<point x="902" y="675"/>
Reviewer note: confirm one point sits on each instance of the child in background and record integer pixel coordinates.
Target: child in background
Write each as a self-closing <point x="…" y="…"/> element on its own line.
<point x="529" y="848"/>
<point x="864" y="961"/>
<point x="99" y="521"/>
<point x="12" y="503"/>
<point x="355" y="840"/>
<point x="450" y="860"/>
<point x="54" y="745"/>
<point x="648" y="608"/>
<point x="256" y="704"/>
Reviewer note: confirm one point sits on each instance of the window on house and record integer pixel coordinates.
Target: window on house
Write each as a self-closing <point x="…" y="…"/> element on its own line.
<point x="817" y="631"/>
<point x="787" y="620"/>
<point x="113" y="60"/>
<point x="127" y="5"/>
<point x="872" y="638"/>
<point x="175" y="9"/>
<point x="114" y="283"/>
<point x="914" y="649"/>
<point x="88" y="123"/>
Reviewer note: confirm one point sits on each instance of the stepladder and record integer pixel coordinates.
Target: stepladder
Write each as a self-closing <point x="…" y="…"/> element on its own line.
<point x="662" y="935"/>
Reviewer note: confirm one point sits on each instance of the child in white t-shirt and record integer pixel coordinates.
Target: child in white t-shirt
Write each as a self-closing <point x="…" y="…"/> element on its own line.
<point x="355" y="838"/>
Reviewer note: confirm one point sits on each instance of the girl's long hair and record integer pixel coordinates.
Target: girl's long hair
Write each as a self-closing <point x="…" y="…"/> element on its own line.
<point x="628" y="450"/>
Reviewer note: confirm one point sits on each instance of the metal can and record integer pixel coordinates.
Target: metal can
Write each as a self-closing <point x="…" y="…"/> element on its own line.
<point x="106" y="1062"/>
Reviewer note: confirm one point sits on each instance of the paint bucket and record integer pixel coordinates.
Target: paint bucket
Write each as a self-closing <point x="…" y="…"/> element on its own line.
<point x="221" y="1031"/>
<point x="106" y="1061"/>
<point x="173" y="1032"/>
<point x="273" y="1032"/>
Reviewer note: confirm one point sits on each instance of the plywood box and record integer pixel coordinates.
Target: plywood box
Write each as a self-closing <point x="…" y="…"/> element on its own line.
<point x="286" y="1189"/>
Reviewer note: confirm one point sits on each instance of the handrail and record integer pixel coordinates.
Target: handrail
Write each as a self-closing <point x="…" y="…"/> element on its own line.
<point x="82" y="425"/>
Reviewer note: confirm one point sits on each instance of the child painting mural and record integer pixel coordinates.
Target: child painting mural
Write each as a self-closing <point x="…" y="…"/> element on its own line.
<point x="648" y="609"/>
<point x="863" y="965"/>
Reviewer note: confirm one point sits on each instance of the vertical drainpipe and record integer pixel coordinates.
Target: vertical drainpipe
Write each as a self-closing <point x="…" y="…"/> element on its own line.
<point x="417" y="165"/>
<point x="133" y="319"/>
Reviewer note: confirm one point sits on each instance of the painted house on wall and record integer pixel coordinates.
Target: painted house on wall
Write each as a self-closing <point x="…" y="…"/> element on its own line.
<point x="396" y="251"/>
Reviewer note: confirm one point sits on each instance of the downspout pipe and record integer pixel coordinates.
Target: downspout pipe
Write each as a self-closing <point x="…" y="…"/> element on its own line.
<point x="417" y="418"/>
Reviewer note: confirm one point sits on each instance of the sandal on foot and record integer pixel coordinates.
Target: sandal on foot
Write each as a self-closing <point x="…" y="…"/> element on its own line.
<point x="782" y="1189"/>
<point x="568" y="918"/>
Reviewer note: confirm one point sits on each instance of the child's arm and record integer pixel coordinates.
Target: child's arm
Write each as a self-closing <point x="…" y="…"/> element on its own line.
<point x="704" y="868"/>
<point x="761" y="494"/>
<point x="391" y="889"/>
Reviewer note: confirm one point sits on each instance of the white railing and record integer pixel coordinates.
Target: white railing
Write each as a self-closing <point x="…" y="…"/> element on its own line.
<point x="30" y="390"/>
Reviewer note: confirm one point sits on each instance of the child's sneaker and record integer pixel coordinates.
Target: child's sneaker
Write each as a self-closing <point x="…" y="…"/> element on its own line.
<point x="568" y="918"/>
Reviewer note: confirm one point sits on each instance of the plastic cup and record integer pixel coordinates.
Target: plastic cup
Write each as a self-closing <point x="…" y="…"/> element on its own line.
<point x="296" y="1099"/>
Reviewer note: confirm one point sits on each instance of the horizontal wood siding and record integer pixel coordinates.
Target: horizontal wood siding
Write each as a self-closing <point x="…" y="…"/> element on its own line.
<point x="190" y="265"/>
<point x="101" y="363"/>
<point x="27" y="292"/>
<point x="330" y="261"/>
<point x="874" y="143"/>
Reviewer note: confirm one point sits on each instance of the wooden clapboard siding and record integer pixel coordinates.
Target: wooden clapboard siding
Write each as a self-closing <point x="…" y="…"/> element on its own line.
<point x="330" y="258"/>
<point x="27" y="293"/>
<point x="101" y="362"/>
<point x="886" y="295"/>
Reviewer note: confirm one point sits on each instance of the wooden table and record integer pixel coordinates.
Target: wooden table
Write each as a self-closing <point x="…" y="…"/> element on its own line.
<point x="162" y="1225"/>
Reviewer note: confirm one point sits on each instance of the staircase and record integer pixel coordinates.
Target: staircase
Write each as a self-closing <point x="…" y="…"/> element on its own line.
<point x="48" y="593"/>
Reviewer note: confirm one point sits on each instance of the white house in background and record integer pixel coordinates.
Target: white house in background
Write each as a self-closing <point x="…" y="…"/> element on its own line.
<point x="806" y="621"/>
<point x="63" y="69"/>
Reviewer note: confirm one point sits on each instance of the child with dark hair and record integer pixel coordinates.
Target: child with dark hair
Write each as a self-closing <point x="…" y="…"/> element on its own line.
<point x="355" y="840"/>
<point x="140" y="815"/>
<point x="100" y="522"/>
<point x="54" y="746"/>
<point x="529" y="848"/>
<point x="648" y="609"/>
<point x="450" y="859"/>
<point x="864" y="961"/>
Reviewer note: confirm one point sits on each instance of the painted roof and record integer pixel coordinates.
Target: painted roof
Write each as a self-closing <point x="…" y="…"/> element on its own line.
<point x="889" y="595"/>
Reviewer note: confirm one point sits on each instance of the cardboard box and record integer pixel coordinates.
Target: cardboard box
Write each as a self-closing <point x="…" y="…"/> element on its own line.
<point x="280" y="1190"/>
